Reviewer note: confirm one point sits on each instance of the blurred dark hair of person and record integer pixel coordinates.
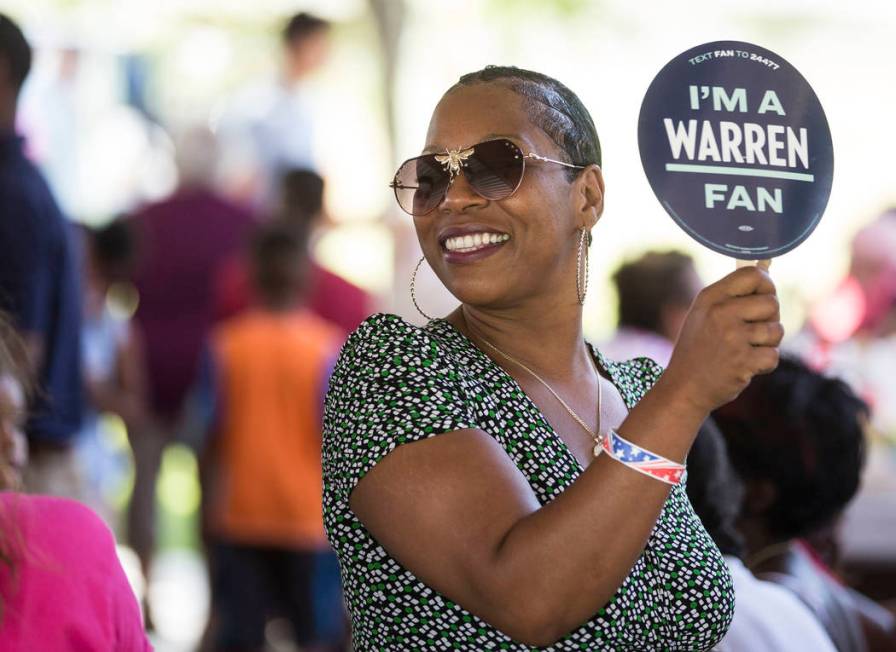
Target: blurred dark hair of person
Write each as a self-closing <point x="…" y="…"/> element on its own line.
<point x="53" y="550"/>
<point x="714" y="489"/>
<point x="655" y="292"/>
<point x="302" y="199"/>
<point x="279" y="264"/>
<point x="111" y="253"/>
<point x="15" y="64"/>
<point x="797" y="439"/>
<point x="306" y="45"/>
<point x="328" y="295"/>
<point x="768" y="616"/>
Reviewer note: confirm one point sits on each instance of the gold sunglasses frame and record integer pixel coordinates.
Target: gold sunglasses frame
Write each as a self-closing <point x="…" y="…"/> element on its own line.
<point x="454" y="160"/>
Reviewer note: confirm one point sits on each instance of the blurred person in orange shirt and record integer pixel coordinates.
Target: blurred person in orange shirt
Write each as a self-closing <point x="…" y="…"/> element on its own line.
<point x="261" y="394"/>
<point x="326" y="294"/>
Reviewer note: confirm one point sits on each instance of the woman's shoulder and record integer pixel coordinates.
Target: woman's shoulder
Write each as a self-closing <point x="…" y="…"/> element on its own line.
<point x="384" y="326"/>
<point x="388" y="339"/>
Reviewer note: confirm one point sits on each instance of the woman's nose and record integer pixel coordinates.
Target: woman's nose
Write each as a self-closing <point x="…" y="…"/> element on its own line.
<point x="461" y="197"/>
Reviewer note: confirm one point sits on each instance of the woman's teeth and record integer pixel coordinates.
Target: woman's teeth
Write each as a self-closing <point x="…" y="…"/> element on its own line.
<point x="474" y="241"/>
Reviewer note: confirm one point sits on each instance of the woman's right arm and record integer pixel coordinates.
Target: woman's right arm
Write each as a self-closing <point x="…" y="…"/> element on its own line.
<point x="456" y="511"/>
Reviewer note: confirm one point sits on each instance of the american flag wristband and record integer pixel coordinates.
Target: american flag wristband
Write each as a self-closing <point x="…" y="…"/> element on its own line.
<point x="642" y="460"/>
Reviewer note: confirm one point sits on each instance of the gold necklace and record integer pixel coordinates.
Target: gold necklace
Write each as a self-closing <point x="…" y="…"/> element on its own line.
<point x="595" y="434"/>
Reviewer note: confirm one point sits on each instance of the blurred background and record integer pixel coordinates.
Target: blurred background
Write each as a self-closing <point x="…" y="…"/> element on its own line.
<point x="118" y="86"/>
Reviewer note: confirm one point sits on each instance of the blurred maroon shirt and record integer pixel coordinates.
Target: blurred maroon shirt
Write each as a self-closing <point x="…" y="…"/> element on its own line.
<point x="182" y="242"/>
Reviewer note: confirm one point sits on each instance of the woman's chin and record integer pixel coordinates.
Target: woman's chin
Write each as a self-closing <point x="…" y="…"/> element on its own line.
<point x="477" y="293"/>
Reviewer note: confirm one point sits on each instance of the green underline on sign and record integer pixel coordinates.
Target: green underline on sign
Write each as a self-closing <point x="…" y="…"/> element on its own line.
<point x="743" y="172"/>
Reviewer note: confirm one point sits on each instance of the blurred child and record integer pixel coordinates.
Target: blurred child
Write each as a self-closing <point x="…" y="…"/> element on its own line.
<point x="263" y="386"/>
<point x="114" y="374"/>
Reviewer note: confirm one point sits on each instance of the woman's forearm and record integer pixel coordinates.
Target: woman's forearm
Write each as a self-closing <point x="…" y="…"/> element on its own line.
<point x="562" y="563"/>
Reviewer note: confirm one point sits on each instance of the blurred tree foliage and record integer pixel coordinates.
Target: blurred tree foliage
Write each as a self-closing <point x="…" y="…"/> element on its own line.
<point x="558" y="8"/>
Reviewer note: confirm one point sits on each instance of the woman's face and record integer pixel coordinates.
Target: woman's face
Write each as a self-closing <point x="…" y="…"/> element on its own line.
<point x="539" y="224"/>
<point x="13" y="444"/>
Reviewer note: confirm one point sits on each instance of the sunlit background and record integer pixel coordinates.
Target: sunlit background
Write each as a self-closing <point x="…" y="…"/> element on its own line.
<point x="115" y="81"/>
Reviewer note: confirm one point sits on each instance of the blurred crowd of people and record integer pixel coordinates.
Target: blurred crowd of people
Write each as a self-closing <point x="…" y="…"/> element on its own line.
<point x="199" y="319"/>
<point x="773" y="473"/>
<point x="203" y="319"/>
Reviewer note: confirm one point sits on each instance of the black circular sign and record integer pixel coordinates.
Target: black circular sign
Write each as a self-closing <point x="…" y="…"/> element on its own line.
<point x="737" y="149"/>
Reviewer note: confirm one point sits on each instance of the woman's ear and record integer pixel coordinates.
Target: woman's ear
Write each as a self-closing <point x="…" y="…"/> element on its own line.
<point x="590" y="196"/>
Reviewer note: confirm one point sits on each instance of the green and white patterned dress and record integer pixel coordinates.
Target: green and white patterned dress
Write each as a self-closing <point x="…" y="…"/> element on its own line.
<point x="396" y="383"/>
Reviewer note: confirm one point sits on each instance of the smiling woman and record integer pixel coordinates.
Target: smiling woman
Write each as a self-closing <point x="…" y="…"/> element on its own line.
<point x="491" y="481"/>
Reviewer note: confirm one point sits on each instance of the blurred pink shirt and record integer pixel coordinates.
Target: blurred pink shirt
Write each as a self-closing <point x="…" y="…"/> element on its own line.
<point x="68" y="591"/>
<point x="631" y="342"/>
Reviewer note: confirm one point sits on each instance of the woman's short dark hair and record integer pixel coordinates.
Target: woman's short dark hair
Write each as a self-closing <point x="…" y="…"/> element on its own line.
<point x="551" y="106"/>
<point x="804" y="433"/>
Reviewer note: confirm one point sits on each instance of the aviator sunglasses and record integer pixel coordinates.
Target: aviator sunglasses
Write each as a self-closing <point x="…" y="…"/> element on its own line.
<point x="494" y="169"/>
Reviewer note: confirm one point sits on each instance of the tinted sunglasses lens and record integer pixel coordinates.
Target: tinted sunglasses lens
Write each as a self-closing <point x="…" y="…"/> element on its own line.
<point x="420" y="185"/>
<point x="495" y="169"/>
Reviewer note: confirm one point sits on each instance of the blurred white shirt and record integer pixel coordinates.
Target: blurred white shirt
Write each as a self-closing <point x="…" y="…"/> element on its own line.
<point x="768" y="617"/>
<point x="268" y="130"/>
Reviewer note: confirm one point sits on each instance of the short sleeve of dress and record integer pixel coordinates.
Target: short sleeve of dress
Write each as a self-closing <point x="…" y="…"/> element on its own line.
<point x="393" y="384"/>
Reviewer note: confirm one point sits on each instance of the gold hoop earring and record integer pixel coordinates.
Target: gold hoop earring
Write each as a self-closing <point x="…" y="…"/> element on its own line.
<point x="582" y="282"/>
<point x="413" y="290"/>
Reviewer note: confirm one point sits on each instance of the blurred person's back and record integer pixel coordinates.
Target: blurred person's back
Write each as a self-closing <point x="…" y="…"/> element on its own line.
<point x="655" y="292"/>
<point x="326" y="294"/>
<point x="39" y="286"/>
<point x="182" y="240"/>
<point x="264" y="380"/>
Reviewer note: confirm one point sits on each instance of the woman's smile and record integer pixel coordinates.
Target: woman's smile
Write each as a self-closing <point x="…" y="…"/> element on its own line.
<point x="463" y="244"/>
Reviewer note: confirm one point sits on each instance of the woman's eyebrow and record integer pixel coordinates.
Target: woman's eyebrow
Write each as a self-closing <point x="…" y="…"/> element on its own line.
<point x="435" y="149"/>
